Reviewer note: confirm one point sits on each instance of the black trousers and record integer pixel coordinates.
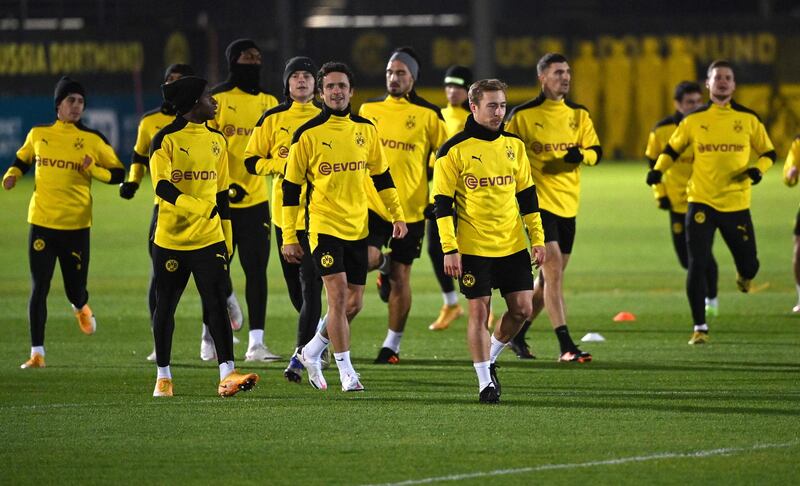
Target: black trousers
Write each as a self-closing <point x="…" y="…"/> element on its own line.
<point x="678" y="231"/>
<point x="437" y="257"/>
<point x="171" y="271"/>
<point x="251" y="233"/>
<point x="304" y="283"/>
<point x="736" y="228"/>
<point x="71" y="248"/>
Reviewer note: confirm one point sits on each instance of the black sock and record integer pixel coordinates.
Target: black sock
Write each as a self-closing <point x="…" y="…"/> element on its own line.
<point x="520" y="337"/>
<point x="564" y="340"/>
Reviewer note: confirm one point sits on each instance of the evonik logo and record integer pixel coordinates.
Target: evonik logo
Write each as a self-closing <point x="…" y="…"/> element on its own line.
<point x="720" y="147"/>
<point x="539" y="147"/>
<point x="57" y="163"/>
<point x="192" y="175"/>
<point x="473" y="182"/>
<point x="326" y="168"/>
<point x="398" y="145"/>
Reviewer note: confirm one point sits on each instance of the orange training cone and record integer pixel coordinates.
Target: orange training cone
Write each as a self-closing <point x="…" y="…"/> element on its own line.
<point x="624" y="317"/>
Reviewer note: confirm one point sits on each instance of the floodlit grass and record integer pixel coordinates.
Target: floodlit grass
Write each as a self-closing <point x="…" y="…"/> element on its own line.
<point x="89" y="417"/>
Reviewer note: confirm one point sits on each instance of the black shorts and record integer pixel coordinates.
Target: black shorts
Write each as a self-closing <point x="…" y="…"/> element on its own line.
<point x="797" y="224"/>
<point x="479" y="275"/>
<point x="405" y="250"/>
<point x="334" y="255"/>
<point x="559" y="229"/>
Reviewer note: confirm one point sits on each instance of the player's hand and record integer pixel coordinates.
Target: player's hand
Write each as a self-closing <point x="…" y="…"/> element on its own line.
<point x="399" y="230"/>
<point x="754" y="174"/>
<point x="87" y="162"/>
<point x="663" y="203"/>
<point x="292" y="252"/>
<point x="236" y="193"/>
<point x="9" y="182"/>
<point x="574" y="155"/>
<point x="452" y="265"/>
<point x="654" y="177"/>
<point x="537" y="256"/>
<point x="791" y="175"/>
<point x="128" y="189"/>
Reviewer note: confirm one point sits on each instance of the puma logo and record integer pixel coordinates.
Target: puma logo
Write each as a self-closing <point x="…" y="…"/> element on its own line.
<point x="478" y="158"/>
<point x="220" y="255"/>
<point x="285" y="129"/>
<point x="704" y="127"/>
<point x="76" y="255"/>
<point x="45" y="141"/>
<point x="742" y="227"/>
<point x="232" y="108"/>
<point x="538" y="124"/>
<point x="328" y="144"/>
<point x="185" y="150"/>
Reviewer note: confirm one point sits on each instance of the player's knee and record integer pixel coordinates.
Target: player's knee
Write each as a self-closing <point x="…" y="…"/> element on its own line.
<point x="522" y="311"/>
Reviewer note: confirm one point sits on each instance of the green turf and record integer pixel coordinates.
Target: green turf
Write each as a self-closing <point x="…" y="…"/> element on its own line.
<point x="89" y="417"/>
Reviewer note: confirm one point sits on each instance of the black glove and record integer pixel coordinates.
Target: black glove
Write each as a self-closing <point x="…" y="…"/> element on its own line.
<point x="754" y="174"/>
<point x="236" y="193"/>
<point x="429" y="213"/>
<point x="654" y="177"/>
<point x="128" y="189"/>
<point x="663" y="203"/>
<point x="573" y="155"/>
<point x="214" y="212"/>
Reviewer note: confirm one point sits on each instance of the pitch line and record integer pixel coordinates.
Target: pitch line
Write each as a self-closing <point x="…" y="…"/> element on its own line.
<point x="608" y="462"/>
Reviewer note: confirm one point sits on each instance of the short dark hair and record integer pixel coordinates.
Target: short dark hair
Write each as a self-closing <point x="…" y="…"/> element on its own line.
<point x="483" y="85"/>
<point x="547" y="60"/>
<point x="335" y="67"/>
<point x="686" y="87"/>
<point x="718" y="63"/>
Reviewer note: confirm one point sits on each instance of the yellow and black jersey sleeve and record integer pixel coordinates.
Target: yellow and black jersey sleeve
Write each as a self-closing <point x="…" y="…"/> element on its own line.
<point x="190" y="177"/>
<point x="721" y="139"/>
<point x="792" y="160"/>
<point x="268" y="150"/>
<point x="335" y="155"/>
<point x="410" y="129"/>
<point x="149" y="125"/>
<point x="237" y="115"/>
<point x="482" y="180"/>
<point x="62" y="189"/>
<point x="674" y="182"/>
<point x="549" y="129"/>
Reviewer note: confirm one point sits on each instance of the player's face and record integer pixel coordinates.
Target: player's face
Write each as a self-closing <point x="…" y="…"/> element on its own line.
<point x="301" y="86"/>
<point x="172" y="77"/>
<point x="250" y="56"/>
<point x="336" y="91"/>
<point x="689" y="103"/>
<point x="720" y="83"/>
<point x="456" y="95"/>
<point x="206" y="107"/>
<point x="71" y="108"/>
<point x="491" y="110"/>
<point x="556" y="78"/>
<point x="398" y="79"/>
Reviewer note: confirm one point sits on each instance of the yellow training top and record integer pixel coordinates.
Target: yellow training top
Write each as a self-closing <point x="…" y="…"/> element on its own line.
<point x="410" y="129"/>
<point x="673" y="184"/>
<point x="149" y="125"/>
<point x="268" y="150"/>
<point x="335" y="153"/>
<point x="454" y="118"/>
<point x="549" y="128"/>
<point x="482" y="171"/>
<point x="62" y="197"/>
<point x="792" y="160"/>
<point x="237" y="115"/>
<point x="190" y="176"/>
<point x="720" y="138"/>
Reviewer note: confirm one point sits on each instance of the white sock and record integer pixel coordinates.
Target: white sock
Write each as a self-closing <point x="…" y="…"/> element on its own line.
<point x="226" y="369"/>
<point x="451" y="298"/>
<point x="701" y="328"/>
<point x="256" y="337"/>
<point x="385" y="267"/>
<point x="496" y="348"/>
<point x="344" y="364"/>
<point x="313" y="350"/>
<point x="163" y="372"/>
<point x="37" y="350"/>
<point x="484" y="378"/>
<point x="712" y="302"/>
<point x="322" y="323"/>
<point x="206" y="336"/>
<point x="392" y="340"/>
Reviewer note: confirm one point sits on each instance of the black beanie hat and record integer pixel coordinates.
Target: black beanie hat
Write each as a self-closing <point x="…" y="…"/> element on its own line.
<point x="182" y="69"/>
<point x="299" y="63"/>
<point x="66" y="86"/>
<point x="184" y="93"/>
<point x="460" y="76"/>
<point x="235" y="49"/>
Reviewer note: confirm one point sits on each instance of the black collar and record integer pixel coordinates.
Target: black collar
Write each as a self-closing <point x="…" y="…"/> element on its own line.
<point x="476" y="130"/>
<point x="329" y="111"/>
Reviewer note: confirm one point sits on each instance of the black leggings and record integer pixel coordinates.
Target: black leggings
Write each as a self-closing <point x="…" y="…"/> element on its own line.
<point x="678" y="230"/>
<point x="437" y="257"/>
<point x="251" y="233"/>
<point x="736" y="228"/>
<point x="171" y="271"/>
<point x="304" y="284"/>
<point x="71" y="248"/>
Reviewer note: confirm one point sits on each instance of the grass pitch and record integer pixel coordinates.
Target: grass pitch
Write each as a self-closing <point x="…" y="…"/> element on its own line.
<point x="649" y="409"/>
